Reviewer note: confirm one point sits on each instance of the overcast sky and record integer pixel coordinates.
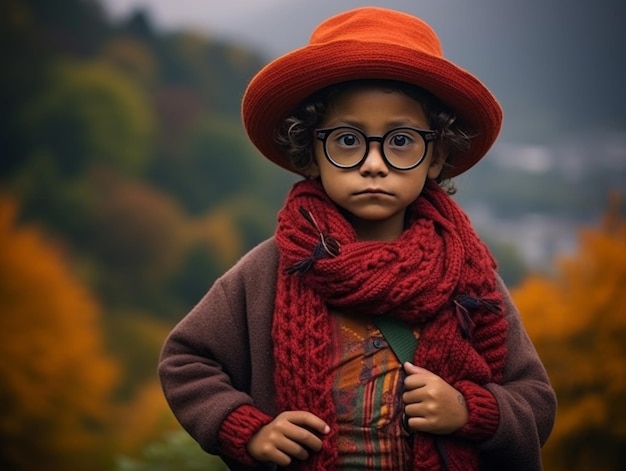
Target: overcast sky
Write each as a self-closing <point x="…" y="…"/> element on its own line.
<point x="558" y="67"/>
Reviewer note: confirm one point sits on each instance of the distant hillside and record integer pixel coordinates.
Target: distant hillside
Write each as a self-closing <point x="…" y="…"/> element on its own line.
<point x="538" y="196"/>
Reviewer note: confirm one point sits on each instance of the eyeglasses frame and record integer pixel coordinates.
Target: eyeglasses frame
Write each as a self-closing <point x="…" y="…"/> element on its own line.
<point x="427" y="134"/>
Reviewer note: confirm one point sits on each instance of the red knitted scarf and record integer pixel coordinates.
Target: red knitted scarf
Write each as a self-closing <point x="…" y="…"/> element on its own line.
<point x="438" y="274"/>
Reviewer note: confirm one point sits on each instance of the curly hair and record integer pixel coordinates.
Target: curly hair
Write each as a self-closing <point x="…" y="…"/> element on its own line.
<point x="295" y="135"/>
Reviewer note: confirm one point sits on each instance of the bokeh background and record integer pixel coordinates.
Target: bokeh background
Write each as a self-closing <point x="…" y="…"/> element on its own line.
<point x="127" y="186"/>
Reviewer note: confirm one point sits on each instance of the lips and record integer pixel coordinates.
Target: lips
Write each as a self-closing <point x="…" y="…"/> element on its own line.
<point x="373" y="191"/>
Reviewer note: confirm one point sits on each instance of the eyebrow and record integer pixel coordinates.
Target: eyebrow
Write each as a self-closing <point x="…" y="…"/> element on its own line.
<point x="387" y="128"/>
<point x="396" y="123"/>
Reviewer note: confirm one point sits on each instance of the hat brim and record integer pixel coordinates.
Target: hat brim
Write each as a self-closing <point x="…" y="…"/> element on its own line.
<point x="277" y="90"/>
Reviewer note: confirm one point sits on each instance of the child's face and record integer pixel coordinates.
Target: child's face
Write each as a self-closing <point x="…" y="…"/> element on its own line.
<point x="374" y="194"/>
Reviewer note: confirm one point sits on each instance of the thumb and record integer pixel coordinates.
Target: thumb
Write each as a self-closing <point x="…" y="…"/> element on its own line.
<point x="412" y="369"/>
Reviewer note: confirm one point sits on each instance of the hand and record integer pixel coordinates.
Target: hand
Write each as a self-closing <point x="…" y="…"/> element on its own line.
<point x="431" y="404"/>
<point x="292" y="434"/>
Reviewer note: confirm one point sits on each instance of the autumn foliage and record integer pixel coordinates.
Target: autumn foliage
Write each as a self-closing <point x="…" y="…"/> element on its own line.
<point x="577" y="319"/>
<point x="128" y="187"/>
<point x="56" y="379"/>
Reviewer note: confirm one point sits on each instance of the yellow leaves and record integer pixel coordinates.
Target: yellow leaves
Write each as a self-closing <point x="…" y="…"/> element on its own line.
<point x="54" y="375"/>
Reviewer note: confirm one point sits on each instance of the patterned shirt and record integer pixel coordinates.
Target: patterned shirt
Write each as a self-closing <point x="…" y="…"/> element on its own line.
<point x="368" y="398"/>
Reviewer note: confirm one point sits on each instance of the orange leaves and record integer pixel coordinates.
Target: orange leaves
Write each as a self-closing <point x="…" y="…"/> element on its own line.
<point x="577" y="319"/>
<point x="55" y="377"/>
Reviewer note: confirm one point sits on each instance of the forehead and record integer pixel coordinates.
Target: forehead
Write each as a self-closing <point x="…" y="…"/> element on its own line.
<point x="374" y="106"/>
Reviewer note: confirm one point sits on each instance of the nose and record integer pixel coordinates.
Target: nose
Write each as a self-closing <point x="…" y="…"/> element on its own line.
<point x="374" y="163"/>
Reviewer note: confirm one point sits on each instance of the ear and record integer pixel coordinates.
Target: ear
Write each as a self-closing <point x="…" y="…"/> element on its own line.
<point x="313" y="171"/>
<point x="436" y="163"/>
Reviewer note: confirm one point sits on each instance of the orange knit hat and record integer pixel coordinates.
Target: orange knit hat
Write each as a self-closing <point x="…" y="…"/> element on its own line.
<point x="368" y="43"/>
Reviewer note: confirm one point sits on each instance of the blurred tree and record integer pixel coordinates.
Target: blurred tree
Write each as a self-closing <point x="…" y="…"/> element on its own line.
<point x="89" y="114"/>
<point x="55" y="378"/>
<point x="219" y="71"/>
<point x="133" y="58"/>
<point x="24" y="60"/>
<point x="33" y="34"/>
<point x="215" y="164"/>
<point x="75" y="27"/>
<point x="213" y="244"/>
<point x="135" y="339"/>
<point x="178" y="110"/>
<point x="136" y="241"/>
<point x="577" y="319"/>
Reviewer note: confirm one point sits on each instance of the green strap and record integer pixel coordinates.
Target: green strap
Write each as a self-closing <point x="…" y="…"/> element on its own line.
<point x="399" y="336"/>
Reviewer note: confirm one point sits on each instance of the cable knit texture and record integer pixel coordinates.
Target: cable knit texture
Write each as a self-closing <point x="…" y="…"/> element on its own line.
<point x="237" y="430"/>
<point x="425" y="278"/>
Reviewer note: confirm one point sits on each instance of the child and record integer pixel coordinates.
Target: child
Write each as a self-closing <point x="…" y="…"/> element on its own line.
<point x="285" y="361"/>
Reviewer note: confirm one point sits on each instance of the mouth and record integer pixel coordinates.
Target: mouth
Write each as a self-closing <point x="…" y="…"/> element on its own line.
<point x="373" y="191"/>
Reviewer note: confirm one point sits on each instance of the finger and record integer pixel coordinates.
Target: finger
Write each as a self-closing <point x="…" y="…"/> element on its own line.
<point x="416" y="410"/>
<point x="419" y="424"/>
<point x="293" y="449"/>
<point x="268" y="450"/>
<point x="412" y="395"/>
<point x="414" y="419"/>
<point x="279" y="458"/>
<point x="310" y="421"/>
<point x="412" y="369"/>
<point x="415" y="381"/>
<point x="303" y="437"/>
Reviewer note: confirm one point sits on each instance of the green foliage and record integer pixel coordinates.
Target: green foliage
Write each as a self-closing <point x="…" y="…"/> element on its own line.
<point x="22" y="74"/>
<point x="215" y="164"/>
<point x="176" y="452"/>
<point x="61" y="203"/>
<point x="90" y="114"/>
<point x="75" y="26"/>
<point x="125" y="144"/>
<point x="218" y="71"/>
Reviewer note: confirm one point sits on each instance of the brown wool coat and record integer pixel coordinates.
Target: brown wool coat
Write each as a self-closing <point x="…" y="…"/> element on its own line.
<point x="219" y="357"/>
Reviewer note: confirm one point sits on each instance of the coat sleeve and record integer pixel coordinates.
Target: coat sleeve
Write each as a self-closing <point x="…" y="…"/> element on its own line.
<point x="526" y="400"/>
<point x="205" y="368"/>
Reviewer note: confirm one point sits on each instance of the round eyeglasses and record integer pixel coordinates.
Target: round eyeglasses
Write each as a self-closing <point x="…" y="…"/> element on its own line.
<point x="402" y="148"/>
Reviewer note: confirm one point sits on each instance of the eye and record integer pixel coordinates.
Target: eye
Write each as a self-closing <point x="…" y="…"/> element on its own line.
<point x="401" y="140"/>
<point x="347" y="138"/>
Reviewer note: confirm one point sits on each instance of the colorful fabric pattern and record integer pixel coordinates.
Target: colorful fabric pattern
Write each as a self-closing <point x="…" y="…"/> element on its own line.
<point x="368" y="399"/>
